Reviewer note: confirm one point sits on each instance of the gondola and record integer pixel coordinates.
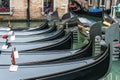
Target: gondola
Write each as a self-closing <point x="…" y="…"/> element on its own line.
<point x="99" y="14"/>
<point x="106" y="17"/>
<point x="33" y="38"/>
<point x="107" y="20"/>
<point x="86" y="22"/>
<point x="84" y="69"/>
<point x="78" y="9"/>
<point x="93" y="28"/>
<point x="57" y="44"/>
<point x="84" y="26"/>
<point x="42" y="57"/>
<point x="68" y="20"/>
<point x="55" y="16"/>
<point x="72" y="22"/>
<point x="66" y="16"/>
<point x="29" y="33"/>
<point x="83" y="10"/>
<point x="42" y="26"/>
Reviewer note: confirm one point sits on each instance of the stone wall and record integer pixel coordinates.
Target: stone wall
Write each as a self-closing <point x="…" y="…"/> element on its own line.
<point x="20" y="9"/>
<point x="85" y="3"/>
<point x="35" y="9"/>
<point x="62" y="7"/>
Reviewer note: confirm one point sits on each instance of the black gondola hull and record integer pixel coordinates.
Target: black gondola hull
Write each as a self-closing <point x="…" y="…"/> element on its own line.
<point x="83" y="69"/>
<point x="57" y="44"/>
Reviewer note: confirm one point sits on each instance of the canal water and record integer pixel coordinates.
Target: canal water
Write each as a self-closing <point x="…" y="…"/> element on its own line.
<point x="21" y="23"/>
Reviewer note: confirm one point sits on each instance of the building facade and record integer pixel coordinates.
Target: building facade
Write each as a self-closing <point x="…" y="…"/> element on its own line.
<point x="20" y="9"/>
<point x="106" y="4"/>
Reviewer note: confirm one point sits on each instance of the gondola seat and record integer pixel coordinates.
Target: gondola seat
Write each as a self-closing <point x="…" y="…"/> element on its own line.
<point x="106" y="23"/>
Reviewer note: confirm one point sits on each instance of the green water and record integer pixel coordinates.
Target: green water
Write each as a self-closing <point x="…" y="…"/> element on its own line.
<point x="80" y="41"/>
<point x="22" y="24"/>
<point x="115" y="71"/>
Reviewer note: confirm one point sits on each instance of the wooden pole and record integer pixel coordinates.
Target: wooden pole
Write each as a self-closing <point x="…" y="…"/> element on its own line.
<point x="28" y="10"/>
<point x="113" y="7"/>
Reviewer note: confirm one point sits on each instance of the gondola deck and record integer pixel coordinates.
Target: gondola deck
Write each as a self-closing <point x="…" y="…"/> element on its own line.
<point x="29" y="33"/>
<point x="33" y="38"/>
<point x="39" y="57"/>
<point x="84" y="69"/>
<point x="61" y="43"/>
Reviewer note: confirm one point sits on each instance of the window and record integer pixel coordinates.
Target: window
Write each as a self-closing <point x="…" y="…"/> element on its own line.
<point x="5" y="6"/>
<point x="96" y="2"/>
<point x="48" y="5"/>
<point x="102" y="3"/>
<point x="91" y="2"/>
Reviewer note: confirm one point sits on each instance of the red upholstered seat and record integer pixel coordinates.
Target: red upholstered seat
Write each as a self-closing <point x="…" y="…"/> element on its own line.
<point x="71" y="6"/>
<point x="50" y="9"/>
<point x="118" y="44"/>
<point x="4" y="36"/>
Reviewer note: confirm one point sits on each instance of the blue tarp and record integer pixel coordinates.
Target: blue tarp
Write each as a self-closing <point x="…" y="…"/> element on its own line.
<point x="95" y="10"/>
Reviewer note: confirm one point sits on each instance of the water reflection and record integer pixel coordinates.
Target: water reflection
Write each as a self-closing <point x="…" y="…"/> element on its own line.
<point x="112" y="76"/>
<point x="22" y="24"/>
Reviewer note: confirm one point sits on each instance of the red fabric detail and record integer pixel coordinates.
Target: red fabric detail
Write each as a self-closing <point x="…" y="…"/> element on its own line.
<point x="71" y="6"/>
<point x="13" y="58"/>
<point x="4" y="36"/>
<point x="50" y="9"/>
<point x="4" y="9"/>
<point x="118" y="44"/>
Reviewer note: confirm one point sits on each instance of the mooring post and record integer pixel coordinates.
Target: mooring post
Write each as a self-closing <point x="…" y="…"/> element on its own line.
<point x="28" y="10"/>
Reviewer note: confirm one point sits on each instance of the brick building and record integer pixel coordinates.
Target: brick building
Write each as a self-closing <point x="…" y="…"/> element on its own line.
<point x="106" y="4"/>
<point x="20" y="9"/>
